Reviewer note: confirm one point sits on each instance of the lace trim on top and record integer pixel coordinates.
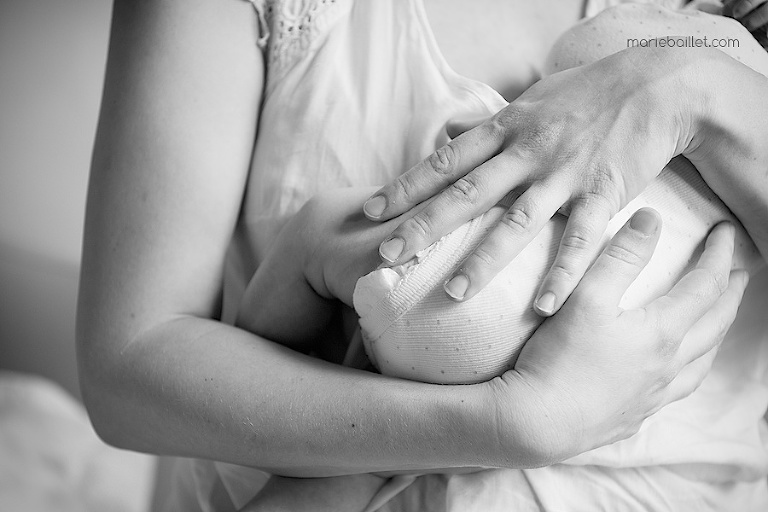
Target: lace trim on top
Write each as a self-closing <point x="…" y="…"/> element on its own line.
<point x="289" y="28"/>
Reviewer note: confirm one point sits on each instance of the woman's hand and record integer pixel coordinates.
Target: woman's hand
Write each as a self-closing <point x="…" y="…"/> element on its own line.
<point x="570" y="143"/>
<point x="594" y="372"/>
<point x="344" y="243"/>
<point x="317" y="257"/>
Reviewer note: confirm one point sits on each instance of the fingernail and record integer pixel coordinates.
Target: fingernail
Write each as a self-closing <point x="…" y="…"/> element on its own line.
<point x="644" y="222"/>
<point x="375" y="206"/>
<point x="744" y="276"/>
<point x="457" y="286"/>
<point x="546" y="303"/>
<point x="391" y="249"/>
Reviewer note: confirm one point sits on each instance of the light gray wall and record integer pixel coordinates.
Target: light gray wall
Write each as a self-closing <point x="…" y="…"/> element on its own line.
<point x="52" y="55"/>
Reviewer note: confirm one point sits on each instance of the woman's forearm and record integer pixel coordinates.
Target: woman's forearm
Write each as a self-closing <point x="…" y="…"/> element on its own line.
<point x="729" y="145"/>
<point x="199" y="388"/>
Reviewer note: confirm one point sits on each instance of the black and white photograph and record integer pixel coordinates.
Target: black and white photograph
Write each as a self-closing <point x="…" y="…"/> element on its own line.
<point x="384" y="255"/>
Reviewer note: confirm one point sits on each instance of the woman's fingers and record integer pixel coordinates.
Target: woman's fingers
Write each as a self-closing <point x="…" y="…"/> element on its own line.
<point x="621" y="261"/>
<point x="741" y="8"/>
<point x="517" y="226"/>
<point x="700" y="288"/>
<point x="756" y="19"/>
<point x="437" y="171"/>
<point x="578" y="247"/>
<point x="690" y="378"/>
<point x="710" y="330"/>
<point x="700" y="345"/>
<point x="463" y="200"/>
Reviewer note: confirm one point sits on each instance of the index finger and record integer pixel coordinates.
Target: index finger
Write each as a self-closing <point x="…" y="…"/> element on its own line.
<point x="440" y="169"/>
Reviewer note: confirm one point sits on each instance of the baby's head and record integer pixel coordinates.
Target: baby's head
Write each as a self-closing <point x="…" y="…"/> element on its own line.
<point x="644" y="25"/>
<point x="412" y="330"/>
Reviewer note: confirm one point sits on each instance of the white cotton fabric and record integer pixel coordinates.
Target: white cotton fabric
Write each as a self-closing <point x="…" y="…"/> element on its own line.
<point x="357" y="92"/>
<point x="51" y="458"/>
<point x="411" y="329"/>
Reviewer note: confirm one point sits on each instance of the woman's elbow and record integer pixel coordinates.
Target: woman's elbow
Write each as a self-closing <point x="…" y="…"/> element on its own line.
<point x="102" y="374"/>
<point x="97" y="387"/>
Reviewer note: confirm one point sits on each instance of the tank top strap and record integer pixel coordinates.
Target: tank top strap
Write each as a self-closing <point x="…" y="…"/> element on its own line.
<point x="290" y="28"/>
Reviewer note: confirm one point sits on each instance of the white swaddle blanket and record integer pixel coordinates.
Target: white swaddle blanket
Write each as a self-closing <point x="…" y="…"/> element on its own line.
<point x="412" y="330"/>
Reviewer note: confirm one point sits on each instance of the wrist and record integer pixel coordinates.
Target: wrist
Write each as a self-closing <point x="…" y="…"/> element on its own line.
<point x="681" y="84"/>
<point x="703" y="82"/>
<point x="524" y="424"/>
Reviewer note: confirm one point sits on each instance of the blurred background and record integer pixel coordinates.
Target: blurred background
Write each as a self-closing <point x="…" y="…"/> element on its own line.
<point x="52" y="59"/>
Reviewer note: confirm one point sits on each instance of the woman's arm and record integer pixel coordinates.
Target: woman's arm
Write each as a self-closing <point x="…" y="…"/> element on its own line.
<point x="333" y="245"/>
<point x="158" y="372"/>
<point x="729" y="146"/>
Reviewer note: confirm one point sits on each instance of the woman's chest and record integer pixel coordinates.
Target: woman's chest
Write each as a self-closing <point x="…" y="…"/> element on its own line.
<point x="503" y="43"/>
<point x="370" y="95"/>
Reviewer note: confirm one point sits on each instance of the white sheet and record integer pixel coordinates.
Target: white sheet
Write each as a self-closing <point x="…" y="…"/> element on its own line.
<point x="52" y="460"/>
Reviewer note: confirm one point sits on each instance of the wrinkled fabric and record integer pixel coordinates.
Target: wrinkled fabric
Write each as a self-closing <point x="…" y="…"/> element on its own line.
<point x="358" y="92"/>
<point x="51" y="458"/>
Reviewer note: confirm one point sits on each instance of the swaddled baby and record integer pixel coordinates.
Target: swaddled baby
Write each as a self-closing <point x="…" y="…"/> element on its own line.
<point x="412" y="330"/>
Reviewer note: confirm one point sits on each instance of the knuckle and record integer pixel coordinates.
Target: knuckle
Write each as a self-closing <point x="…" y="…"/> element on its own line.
<point x="577" y="241"/>
<point x="419" y="225"/>
<point x="624" y="254"/>
<point x="496" y="127"/>
<point x="465" y="190"/>
<point x="407" y="187"/>
<point x="483" y="257"/>
<point x="601" y="187"/>
<point x="716" y="282"/>
<point x="444" y="160"/>
<point x="560" y="271"/>
<point x="517" y="220"/>
<point x="602" y="199"/>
